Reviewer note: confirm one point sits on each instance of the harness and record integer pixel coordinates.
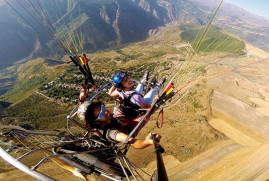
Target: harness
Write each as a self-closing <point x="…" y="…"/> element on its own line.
<point x="129" y="108"/>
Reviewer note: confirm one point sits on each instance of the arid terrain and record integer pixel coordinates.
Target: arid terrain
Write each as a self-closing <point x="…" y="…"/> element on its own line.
<point x="239" y="109"/>
<point x="224" y="136"/>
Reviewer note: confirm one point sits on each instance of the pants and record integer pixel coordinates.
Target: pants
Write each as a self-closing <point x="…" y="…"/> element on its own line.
<point x="148" y="98"/>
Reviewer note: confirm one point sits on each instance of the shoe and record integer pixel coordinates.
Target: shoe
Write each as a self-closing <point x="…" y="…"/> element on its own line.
<point x="151" y="84"/>
<point x="145" y="77"/>
<point x="161" y="82"/>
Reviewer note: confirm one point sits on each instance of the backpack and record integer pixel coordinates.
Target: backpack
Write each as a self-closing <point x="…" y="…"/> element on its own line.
<point x="130" y="109"/>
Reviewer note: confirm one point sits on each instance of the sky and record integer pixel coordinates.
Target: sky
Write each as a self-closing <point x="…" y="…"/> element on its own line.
<point x="259" y="7"/>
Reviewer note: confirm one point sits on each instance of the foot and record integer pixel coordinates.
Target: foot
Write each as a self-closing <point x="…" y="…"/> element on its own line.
<point x="145" y="77"/>
<point x="161" y="82"/>
<point x="151" y="84"/>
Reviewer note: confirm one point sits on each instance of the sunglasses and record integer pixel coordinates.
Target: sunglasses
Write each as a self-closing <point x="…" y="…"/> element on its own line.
<point x="102" y="112"/>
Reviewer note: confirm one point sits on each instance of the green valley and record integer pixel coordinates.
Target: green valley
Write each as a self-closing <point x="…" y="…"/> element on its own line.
<point x="214" y="40"/>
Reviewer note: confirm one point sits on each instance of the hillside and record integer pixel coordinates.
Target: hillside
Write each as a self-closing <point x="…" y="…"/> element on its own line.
<point x="186" y="131"/>
<point x="103" y="24"/>
<point x="239" y="21"/>
<point x="161" y="54"/>
<point x="215" y="40"/>
<point x="135" y="59"/>
<point x="27" y="77"/>
<point x="36" y="112"/>
<point x="195" y="150"/>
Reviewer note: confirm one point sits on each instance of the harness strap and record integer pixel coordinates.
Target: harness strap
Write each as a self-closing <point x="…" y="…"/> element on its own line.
<point x="129" y="108"/>
<point x="157" y="122"/>
<point x="123" y="123"/>
<point x="127" y="100"/>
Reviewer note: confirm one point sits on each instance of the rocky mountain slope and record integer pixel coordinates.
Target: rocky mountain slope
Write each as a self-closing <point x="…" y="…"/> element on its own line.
<point x="186" y="120"/>
<point x="106" y="23"/>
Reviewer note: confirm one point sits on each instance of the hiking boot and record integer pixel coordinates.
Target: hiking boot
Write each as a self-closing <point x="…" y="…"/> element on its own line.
<point x="145" y="77"/>
<point x="161" y="82"/>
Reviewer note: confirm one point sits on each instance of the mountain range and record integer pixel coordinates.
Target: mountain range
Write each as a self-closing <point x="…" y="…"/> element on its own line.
<point x="27" y="28"/>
